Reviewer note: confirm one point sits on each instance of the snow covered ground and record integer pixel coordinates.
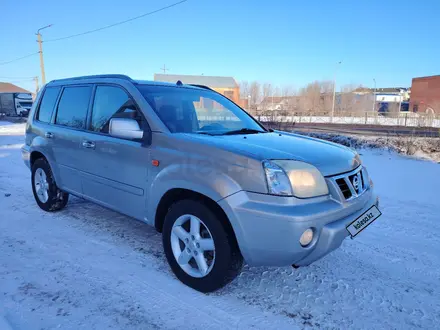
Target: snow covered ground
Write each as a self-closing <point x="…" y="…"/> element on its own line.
<point x="90" y="268"/>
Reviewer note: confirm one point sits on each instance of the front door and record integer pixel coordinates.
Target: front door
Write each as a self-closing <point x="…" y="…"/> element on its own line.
<point x="114" y="171"/>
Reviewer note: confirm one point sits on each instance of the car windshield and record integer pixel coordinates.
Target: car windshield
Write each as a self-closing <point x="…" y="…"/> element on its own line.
<point x="193" y="110"/>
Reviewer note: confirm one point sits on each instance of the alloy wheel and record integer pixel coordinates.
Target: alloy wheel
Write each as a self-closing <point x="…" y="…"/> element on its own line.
<point x="41" y="185"/>
<point x="193" y="245"/>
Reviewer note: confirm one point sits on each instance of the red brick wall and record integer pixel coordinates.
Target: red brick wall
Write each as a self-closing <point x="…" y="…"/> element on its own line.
<point x="425" y="93"/>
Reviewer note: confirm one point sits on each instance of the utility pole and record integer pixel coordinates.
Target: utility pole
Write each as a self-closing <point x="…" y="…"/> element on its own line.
<point x="164" y="69"/>
<point x="40" y="44"/>
<point x="334" y="92"/>
<point x="37" y="88"/>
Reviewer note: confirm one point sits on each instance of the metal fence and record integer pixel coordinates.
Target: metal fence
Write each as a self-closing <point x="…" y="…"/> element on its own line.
<point x="405" y="119"/>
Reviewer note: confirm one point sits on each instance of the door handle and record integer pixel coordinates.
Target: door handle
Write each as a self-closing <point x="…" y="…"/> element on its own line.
<point x="49" y="135"/>
<point x="88" y="144"/>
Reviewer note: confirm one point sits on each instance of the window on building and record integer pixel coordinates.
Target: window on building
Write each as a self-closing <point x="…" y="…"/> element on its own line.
<point x="47" y="104"/>
<point x="229" y="94"/>
<point x="73" y="105"/>
<point x="111" y="102"/>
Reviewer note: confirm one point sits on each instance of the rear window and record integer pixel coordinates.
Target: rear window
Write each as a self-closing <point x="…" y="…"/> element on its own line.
<point x="73" y="105"/>
<point x="47" y="104"/>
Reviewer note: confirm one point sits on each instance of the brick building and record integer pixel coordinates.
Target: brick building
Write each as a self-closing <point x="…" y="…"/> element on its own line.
<point x="425" y="94"/>
<point x="223" y="85"/>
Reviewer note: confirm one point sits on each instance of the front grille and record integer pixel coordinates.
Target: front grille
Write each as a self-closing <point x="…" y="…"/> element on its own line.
<point x="351" y="184"/>
<point x="344" y="188"/>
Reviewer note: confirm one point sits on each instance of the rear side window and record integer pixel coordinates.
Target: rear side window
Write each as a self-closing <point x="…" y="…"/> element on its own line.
<point x="48" y="103"/>
<point x="111" y="102"/>
<point x="73" y="105"/>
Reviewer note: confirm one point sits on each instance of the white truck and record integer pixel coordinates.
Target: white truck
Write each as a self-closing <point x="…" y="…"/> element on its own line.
<point x="15" y="104"/>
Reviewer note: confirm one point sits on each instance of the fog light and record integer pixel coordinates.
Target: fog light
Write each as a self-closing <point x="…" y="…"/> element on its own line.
<point x="306" y="237"/>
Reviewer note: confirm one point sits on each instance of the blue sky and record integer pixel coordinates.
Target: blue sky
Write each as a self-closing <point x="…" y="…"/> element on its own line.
<point x="281" y="42"/>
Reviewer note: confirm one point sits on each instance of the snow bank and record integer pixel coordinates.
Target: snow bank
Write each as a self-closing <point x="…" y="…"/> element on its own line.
<point x="418" y="147"/>
<point x="7" y="128"/>
<point x="410" y="120"/>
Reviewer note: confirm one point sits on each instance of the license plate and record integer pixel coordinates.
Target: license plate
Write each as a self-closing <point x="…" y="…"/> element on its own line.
<point x="363" y="221"/>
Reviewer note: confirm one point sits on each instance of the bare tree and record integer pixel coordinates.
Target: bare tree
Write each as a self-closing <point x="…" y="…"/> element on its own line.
<point x="310" y="97"/>
<point x="290" y="99"/>
<point x="288" y="90"/>
<point x="244" y="89"/>
<point x="326" y="100"/>
<point x="255" y="94"/>
<point x="350" y="102"/>
<point x="267" y="90"/>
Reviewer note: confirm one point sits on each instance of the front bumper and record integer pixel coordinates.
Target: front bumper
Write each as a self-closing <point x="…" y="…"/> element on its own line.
<point x="268" y="228"/>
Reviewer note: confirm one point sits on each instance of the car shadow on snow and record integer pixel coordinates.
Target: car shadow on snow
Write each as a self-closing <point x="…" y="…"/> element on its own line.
<point x="324" y="294"/>
<point x="268" y="288"/>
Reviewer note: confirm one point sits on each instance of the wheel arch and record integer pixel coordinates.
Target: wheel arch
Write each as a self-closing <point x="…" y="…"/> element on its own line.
<point x="176" y="194"/>
<point x="36" y="155"/>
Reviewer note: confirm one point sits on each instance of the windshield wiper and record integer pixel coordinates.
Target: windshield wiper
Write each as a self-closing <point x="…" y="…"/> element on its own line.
<point x="243" y="131"/>
<point x="204" y="133"/>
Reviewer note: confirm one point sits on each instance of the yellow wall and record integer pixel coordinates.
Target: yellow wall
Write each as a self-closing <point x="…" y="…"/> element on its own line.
<point x="236" y="92"/>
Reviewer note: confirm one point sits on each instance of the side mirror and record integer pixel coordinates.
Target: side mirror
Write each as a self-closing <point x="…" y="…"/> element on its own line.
<point x="125" y="128"/>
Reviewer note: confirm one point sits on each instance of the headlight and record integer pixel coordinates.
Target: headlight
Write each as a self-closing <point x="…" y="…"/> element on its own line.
<point x="277" y="181"/>
<point x="290" y="177"/>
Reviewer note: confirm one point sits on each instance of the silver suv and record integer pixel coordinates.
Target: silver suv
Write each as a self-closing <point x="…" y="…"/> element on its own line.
<point x="219" y="186"/>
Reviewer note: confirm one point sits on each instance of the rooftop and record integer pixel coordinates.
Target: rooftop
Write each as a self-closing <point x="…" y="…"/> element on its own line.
<point x="11" y="88"/>
<point x="427" y="77"/>
<point x="210" y="81"/>
<point x="388" y="90"/>
<point x="278" y="99"/>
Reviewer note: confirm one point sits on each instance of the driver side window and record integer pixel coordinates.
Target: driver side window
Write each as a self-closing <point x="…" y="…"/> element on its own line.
<point x="111" y="102"/>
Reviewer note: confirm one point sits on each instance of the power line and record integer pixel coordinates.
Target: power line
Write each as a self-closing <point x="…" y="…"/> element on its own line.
<point x="3" y="77"/>
<point x="18" y="81"/>
<point x="20" y="58"/>
<point x="118" y="23"/>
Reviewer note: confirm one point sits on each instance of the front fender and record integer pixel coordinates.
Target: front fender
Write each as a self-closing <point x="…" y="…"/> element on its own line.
<point x="207" y="181"/>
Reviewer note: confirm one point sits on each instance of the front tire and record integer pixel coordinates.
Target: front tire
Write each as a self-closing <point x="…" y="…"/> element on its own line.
<point x="46" y="192"/>
<point x="201" y="251"/>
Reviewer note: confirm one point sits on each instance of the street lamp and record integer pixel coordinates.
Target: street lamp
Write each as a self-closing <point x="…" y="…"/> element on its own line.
<point x="374" y="96"/>
<point x="334" y="91"/>
<point x="40" y="44"/>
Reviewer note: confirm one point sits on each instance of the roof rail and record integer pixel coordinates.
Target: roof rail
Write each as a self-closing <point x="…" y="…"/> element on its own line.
<point x="201" y="86"/>
<point x="116" y="76"/>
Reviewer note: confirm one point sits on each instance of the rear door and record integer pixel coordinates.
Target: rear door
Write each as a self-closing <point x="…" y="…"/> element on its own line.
<point x="114" y="170"/>
<point x="66" y="133"/>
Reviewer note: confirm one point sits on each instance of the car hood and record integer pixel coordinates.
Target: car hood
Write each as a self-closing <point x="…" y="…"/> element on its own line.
<point x="328" y="157"/>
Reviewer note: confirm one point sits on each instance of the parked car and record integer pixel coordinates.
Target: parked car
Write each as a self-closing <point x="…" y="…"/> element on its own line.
<point x="219" y="186"/>
<point x="15" y="104"/>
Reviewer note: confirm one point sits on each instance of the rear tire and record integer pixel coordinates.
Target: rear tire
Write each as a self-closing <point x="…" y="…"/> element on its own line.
<point x="223" y="260"/>
<point x="46" y="192"/>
